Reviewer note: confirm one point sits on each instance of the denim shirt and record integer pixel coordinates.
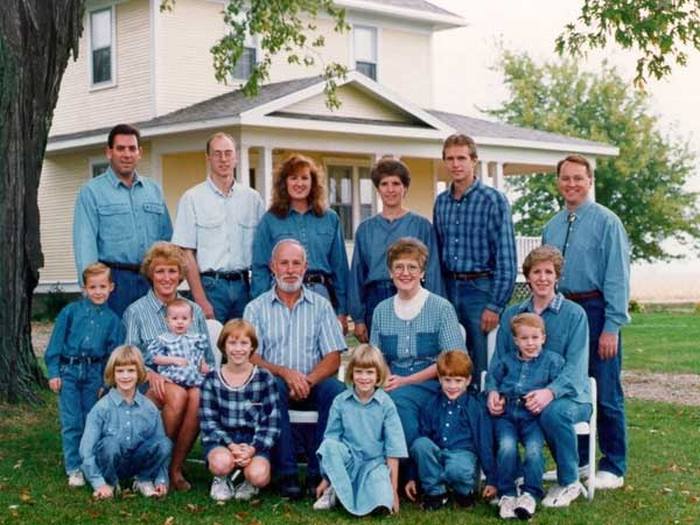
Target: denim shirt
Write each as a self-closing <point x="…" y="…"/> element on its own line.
<point x="116" y="223"/>
<point x="82" y="329"/>
<point x="566" y="326"/>
<point x="322" y="238"/>
<point x="131" y="424"/>
<point x="515" y="377"/>
<point x="461" y="424"/>
<point x="597" y="258"/>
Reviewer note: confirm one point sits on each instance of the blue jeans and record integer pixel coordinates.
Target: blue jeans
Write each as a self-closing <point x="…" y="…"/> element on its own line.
<point x="79" y="388"/>
<point x="228" y="298"/>
<point x="557" y="421"/>
<point x="142" y="462"/>
<point x="517" y="424"/>
<point x="612" y="430"/>
<point x="470" y="299"/>
<point x="439" y="468"/>
<point x="320" y="399"/>
<point x="128" y="287"/>
<point x="375" y="293"/>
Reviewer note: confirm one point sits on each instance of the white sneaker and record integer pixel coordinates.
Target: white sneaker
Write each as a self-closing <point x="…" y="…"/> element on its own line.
<point x="220" y="489"/>
<point x="559" y="496"/>
<point x="605" y="480"/>
<point x="245" y="491"/>
<point x="145" y="488"/>
<point x="551" y="475"/>
<point x="506" y="507"/>
<point x="327" y="500"/>
<point x="76" y="479"/>
<point x="525" y="506"/>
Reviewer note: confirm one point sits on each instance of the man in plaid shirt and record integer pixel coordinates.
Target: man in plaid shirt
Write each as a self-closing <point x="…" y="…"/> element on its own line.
<point x="476" y="243"/>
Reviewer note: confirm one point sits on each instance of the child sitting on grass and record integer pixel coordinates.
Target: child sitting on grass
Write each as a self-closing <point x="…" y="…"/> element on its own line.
<point x="178" y="354"/>
<point x="239" y="416"/>
<point x="124" y="434"/>
<point x="456" y="436"/>
<point x="510" y="382"/>
<point x="363" y="441"/>
<point x="84" y="334"/>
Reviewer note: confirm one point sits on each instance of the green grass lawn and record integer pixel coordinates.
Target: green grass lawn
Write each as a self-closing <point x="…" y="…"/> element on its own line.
<point x="662" y="342"/>
<point x="662" y="484"/>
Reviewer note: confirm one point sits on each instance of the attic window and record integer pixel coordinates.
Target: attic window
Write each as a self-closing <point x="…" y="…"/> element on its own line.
<point x="244" y="67"/>
<point x="102" y="56"/>
<point x="365" y="47"/>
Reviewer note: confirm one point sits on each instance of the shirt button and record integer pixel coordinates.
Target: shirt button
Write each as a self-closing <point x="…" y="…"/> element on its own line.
<point x="447" y="424"/>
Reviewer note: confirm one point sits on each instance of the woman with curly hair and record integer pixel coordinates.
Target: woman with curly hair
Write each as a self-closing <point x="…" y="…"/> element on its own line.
<point x="299" y="211"/>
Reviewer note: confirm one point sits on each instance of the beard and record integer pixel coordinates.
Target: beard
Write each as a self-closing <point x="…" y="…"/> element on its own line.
<point x="288" y="287"/>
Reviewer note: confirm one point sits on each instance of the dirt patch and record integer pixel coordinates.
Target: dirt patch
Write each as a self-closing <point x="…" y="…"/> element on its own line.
<point x="681" y="389"/>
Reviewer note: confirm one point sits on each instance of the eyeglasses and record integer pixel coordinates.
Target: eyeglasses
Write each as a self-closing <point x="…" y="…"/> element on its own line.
<point x="227" y="154"/>
<point x="410" y="268"/>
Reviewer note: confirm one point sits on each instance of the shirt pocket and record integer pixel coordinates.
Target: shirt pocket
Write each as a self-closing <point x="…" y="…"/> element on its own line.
<point x="115" y="222"/>
<point x="153" y="214"/>
<point x="427" y="345"/>
<point x="388" y="344"/>
<point x="209" y="230"/>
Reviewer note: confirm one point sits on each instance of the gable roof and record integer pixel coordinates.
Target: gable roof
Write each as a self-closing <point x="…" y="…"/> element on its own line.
<point x="282" y="104"/>
<point x="420" y="10"/>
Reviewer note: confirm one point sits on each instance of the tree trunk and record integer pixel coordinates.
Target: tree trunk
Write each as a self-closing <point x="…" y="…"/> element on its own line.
<point x="37" y="37"/>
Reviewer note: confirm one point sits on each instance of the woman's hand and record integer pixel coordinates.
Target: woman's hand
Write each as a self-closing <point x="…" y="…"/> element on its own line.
<point x="55" y="385"/>
<point x="411" y="490"/>
<point x="395" y="381"/>
<point x="361" y="332"/>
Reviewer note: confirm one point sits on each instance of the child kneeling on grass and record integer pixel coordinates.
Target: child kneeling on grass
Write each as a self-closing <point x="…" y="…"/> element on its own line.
<point x="456" y="437"/>
<point x="85" y="333"/>
<point x="124" y="434"/>
<point x="510" y="383"/>
<point x="239" y="416"/>
<point x="363" y="441"/>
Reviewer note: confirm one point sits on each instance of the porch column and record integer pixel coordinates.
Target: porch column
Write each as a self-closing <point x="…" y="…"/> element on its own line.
<point x="243" y="167"/>
<point x="263" y="174"/>
<point x="481" y="170"/>
<point x="498" y="176"/>
<point x="377" y="200"/>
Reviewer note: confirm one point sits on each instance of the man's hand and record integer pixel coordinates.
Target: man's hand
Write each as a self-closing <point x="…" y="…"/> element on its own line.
<point x="205" y="305"/>
<point x="157" y="384"/>
<point x="343" y="320"/>
<point x="361" y="332"/>
<point x="607" y="345"/>
<point x="495" y="403"/>
<point x="537" y="400"/>
<point x="299" y="387"/>
<point x="55" y="384"/>
<point x="489" y="320"/>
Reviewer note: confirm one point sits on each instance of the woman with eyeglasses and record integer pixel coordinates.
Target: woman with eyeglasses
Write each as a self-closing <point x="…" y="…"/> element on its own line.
<point x="370" y="280"/>
<point x="411" y="329"/>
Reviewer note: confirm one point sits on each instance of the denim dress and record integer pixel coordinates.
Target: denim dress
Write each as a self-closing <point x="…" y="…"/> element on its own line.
<point x="353" y="455"/>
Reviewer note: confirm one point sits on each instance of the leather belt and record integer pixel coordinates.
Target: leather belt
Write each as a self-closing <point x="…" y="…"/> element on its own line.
<point x="75" y="360"/>
<point x="129" y="267"/>
<point x="584" y="296"/>
<point x="467" y="276"/>
<point x="239" y="275"/>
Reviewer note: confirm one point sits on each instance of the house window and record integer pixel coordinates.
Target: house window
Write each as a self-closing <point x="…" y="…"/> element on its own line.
<point x="351" y="195"/>
<point x="102" y="56"/>
<point x="98" y="168"/>
<point x="365" y="46"/>
<point x="244" y="67"/>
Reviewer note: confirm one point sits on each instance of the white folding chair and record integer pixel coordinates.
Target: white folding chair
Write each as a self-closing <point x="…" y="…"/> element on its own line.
<point x="215" y="328"/>
<point x="310" y="417"/>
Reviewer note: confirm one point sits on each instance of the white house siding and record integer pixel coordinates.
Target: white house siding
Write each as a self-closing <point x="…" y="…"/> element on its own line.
<point x="405" y="64"/>
<point x="80" y="107"/>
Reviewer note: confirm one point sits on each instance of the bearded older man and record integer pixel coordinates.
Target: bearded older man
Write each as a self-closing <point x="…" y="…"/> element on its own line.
<point x="300" y="341"/>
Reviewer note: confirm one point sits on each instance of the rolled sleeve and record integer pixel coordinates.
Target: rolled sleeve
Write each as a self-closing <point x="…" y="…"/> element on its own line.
<point x="330" y="334"/>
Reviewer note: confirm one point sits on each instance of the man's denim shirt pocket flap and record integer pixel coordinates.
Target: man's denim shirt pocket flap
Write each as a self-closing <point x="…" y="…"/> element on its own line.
<point x="115" y="221"/>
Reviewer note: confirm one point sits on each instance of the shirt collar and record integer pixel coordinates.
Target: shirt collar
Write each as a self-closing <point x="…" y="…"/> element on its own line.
<point x="581" y="209"/>
<point x="476" y="184"/>
<point x="459" y="401"/>
<point x="87" y="303"/>
<point x="305" y="296"/>
<point x="554" y="305"/>
<point x="215" y="188"/>
<point x="377" y="396"/>
<point x="116" y="181"/>
<point x="116" y="398"/>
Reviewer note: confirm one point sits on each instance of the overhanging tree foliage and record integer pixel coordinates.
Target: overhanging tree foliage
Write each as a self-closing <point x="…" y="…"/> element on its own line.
<point x="644" y="185"/>
<point x="661" y="31"/>
<point x="37" y="38"/>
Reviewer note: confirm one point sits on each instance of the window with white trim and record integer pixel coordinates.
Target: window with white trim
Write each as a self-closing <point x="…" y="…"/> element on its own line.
<point x="244" y="67"/>
<point x="365" y="49"/>
<point x="102" y="52"/>
<point x="98" y="168"/>
<point x="351" y="195"/>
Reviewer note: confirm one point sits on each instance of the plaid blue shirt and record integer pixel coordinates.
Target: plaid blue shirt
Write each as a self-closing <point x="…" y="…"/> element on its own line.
<point x="475" y="234"/>
<point x="252" y="408"/>
<point x="190" y="346"/>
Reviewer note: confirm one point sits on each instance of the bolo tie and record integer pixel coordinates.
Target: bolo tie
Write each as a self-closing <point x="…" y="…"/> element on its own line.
<point x="570" y="220"/>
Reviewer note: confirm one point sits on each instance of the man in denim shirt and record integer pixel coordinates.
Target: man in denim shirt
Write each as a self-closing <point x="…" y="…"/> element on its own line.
<point x="118" y="216"/>
<point x="215" y="225"/>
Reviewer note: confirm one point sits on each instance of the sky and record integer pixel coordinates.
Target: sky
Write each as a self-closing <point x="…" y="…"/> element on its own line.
<point x="464" y="60"/>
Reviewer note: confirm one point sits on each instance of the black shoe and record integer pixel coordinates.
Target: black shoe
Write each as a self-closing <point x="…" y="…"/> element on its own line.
<point x="311" y="483"/>
<point x="434" y="502"/>
<point x="465" y="500"/>
<point x="289" y="487"/>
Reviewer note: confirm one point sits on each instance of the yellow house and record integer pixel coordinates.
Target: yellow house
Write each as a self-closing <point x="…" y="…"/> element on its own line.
<point x="154" y="70"/>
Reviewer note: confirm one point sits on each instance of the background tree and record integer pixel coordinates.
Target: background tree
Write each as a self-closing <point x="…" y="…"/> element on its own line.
<point x="644" y="185"/>
<point x="37" y="38"/>
<point x="661" y="31"/>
